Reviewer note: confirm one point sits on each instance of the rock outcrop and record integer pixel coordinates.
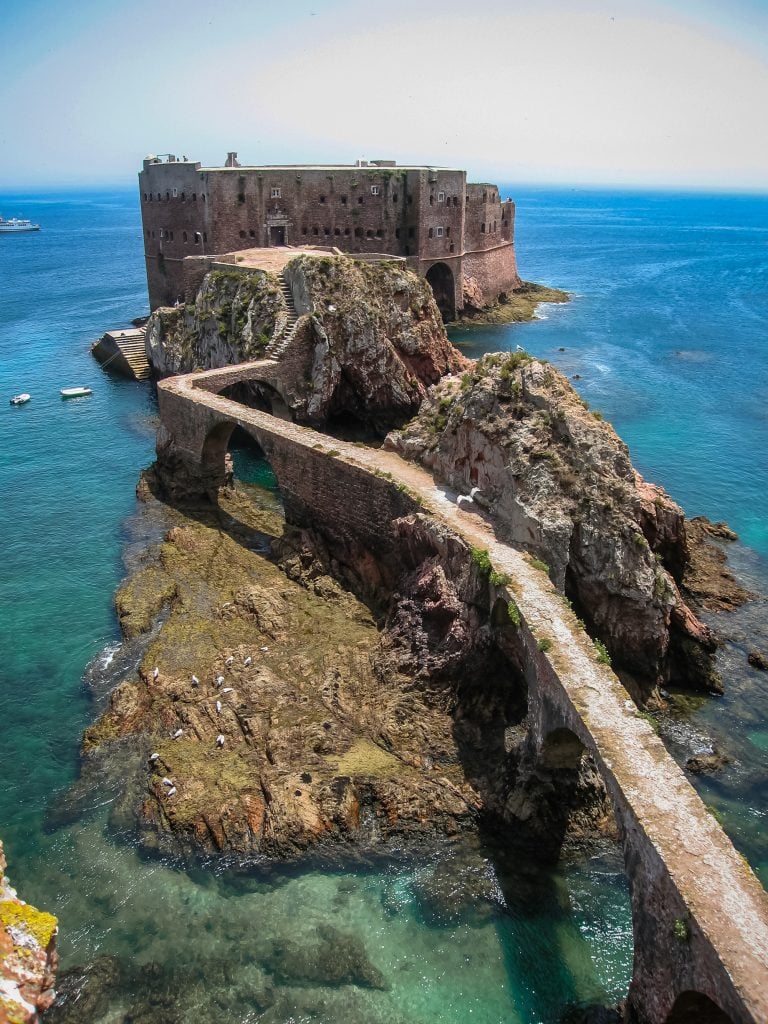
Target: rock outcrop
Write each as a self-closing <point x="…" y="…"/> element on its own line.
<point x="368" y="343"/>
<point x="559" y="482"/>
<point x="28" y="957"/>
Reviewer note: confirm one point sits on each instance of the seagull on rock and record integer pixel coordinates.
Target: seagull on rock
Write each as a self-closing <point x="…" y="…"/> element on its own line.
<point x="177" y="734"/>
<point x="154" y="757"/>
<point x="264" y="649"/>
<point x="155" y="672"/>
<point x="167" y="782"/>
<point x="230" y="661"/>
<point x="218" y="707"/>
<point x="248" y="661"/>
<point x="220" y="740"/>
<point x="219" y="680"/>
<point x="227" y="689"/>
<point x="171" y="791"/>
<point x="195" y="681"/>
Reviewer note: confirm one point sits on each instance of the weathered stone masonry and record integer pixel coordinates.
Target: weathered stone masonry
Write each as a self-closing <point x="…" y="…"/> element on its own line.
<point x="700" y="916"/>
<point x="458" y="235"/>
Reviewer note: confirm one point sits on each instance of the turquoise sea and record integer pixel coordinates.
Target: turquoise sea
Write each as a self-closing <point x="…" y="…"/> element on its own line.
<point x="667" y="330"/>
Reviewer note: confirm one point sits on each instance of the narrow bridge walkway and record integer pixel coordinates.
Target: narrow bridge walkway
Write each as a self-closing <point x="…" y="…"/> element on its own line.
<point x="700" y="914"/>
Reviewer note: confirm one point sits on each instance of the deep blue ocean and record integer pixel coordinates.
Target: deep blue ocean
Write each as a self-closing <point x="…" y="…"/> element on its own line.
<point x="667" y="331"/>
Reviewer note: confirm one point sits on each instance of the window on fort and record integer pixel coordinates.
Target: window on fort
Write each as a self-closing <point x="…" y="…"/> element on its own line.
<point x="203" y="196"/>
<point x="167" y="195"/>
<point x="411" y="232"/>
<point x="194" y="197"/>
<point x="485" y="197"/>
<point x="337" y="231"/>
<point x="205" y="237"/>
<point x="242" y="234"/>
<point x="397" y="232"/>
<point x="276" y="193"/>
<point x="161" y="232"/>
<point x="441" y="197"/>
<point x="394" y="197"/>
<point x="358" y="232"/>
<point x="482" y="228"/>
<point x="439" y="232"/>
<point x="431" y="233"/>
<point x="410" y="199"/>
<point x="431" y="200"/>
<point x="326" y="231"/>
<point x="304" y="230"/>
<point x="322" y="199"/>
<point x="197" y="238"/>
<point x="145" y="197"/>
<point x="452" y="246"/>
<point x="343" y="200"/>
<point x="175" y="193"/>
<point x="494" y="227"/>
<point x="455" y="200"/>
<point x="184" y="236"/>
<point x="369" y="233"/>
<point x="252" y="233"/>
<point x="346" y="231"/>
<point x="315" y="231"/>
<point x="375" y="190"/>
<point x="360" y="199"/>
<point x="379" y="233"/>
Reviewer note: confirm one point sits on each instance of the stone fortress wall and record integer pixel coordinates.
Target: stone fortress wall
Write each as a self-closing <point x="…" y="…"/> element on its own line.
<point x="459" y="236"/>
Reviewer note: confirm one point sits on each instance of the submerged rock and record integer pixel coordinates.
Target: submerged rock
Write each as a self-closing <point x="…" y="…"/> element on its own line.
<point x="336" y="958"/>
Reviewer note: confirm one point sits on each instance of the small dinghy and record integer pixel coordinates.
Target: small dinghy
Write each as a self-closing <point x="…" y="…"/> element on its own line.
<point x="20" y="399"/>
<point x="75" y="392"/>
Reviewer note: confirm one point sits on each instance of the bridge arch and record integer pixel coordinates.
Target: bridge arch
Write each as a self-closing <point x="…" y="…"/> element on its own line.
<point x="215" y="456"/>
<point x="562" y="750"/>
<point x="441" y="280"/>
<point x="695" y="1008"/>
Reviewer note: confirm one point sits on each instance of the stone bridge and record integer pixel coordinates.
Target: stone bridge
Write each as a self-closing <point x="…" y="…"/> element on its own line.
<point x="700" y="916"/>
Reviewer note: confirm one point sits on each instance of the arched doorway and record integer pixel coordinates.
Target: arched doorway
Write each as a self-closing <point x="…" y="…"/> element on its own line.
<point x="440" y="278"/>
<point x="694" y="1008"/>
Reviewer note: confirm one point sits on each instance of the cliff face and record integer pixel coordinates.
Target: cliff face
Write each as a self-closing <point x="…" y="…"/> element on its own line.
<point x="28" y="957"/>
<point x="559" y="482"/>
<point x="233" y="319"/>
<point x="368" y="343"/>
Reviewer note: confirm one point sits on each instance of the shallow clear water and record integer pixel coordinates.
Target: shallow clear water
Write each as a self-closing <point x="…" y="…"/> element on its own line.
<point x="67" y="472"/>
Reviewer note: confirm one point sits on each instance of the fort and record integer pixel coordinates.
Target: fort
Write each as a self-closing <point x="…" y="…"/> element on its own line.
<point x="458" y="235"/>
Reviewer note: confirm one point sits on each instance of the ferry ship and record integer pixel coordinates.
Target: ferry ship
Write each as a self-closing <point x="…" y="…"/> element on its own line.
<point x="14" y="225"/>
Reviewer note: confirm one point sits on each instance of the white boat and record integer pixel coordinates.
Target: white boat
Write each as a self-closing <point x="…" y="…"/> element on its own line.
<point x="75" y="392"/>
<point x="20" y="399"/>
<point x="16" y="224"/>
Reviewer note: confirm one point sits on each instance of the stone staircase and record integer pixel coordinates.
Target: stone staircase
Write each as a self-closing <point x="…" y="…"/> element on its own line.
<point x="135" y="355"/>
<point x="277" y="347"/>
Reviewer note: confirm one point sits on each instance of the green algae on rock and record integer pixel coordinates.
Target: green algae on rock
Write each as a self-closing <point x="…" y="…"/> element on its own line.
<point x="514" y="307"/>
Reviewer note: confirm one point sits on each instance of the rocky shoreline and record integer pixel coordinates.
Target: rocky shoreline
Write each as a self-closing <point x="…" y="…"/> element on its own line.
<point x="515" y="307"/>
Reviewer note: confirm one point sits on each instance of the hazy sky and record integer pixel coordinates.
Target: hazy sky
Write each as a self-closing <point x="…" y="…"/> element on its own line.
<point x="666" y="93"/>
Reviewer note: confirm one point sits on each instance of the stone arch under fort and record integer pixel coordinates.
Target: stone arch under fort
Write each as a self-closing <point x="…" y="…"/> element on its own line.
<point x="441" y="280"/>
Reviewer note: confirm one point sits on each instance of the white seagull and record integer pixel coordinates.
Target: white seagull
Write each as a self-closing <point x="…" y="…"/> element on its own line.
<point x="464" y="499"/>
<point x="227" y="689"/>
<point x="218" y="707"/>
<point x="220" y="740"/>
<point x="195" y="681"/>
<point x="155" y="672"/>
<point x="248" y="661"/>
<point x="171" y="791"/>
<point x="473" y="492"/>
<point x="154" y="757"/>
<point x="167" y="782"/>
<point x="230" y="660"/>
<point x="219" y="680"/>
<point x="177" y="734"/>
